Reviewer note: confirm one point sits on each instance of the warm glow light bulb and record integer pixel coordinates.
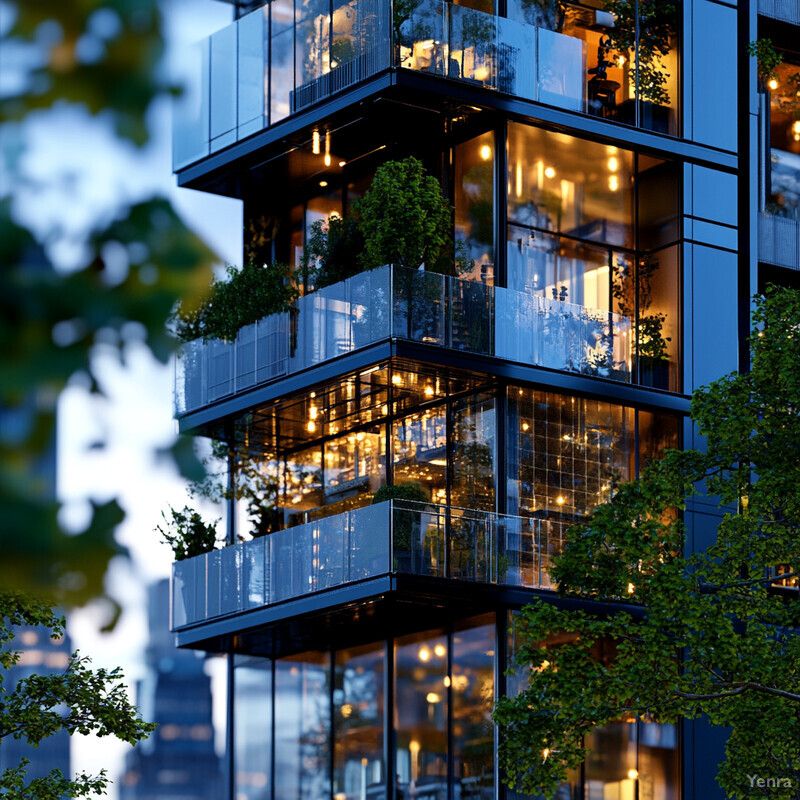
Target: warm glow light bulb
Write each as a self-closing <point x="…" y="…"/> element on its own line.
<point x="429" y="391"/>
<point x="486" y="152"/>
<point x="613" y="164"/>
<point x="633" y="774"/>
<point x="773" y="84"/>
<point x="424" y="654"/>
<point x="315" y="142"/>
<point x="613" y="183"/>
<point x="560" y="500"/>
<point x="312" y="426"/>
<point x="549" y="172"/>
<point x="525" y="426"/>
<point x="439" y="650"/>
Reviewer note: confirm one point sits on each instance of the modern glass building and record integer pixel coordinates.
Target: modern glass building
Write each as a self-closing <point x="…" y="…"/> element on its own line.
<point x="623" y="183"/>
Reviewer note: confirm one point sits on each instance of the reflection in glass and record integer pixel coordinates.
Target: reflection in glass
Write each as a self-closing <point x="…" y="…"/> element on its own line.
<point x="474" y="204"/>
<point x="312" y="40"/>
<point x="419" y="451"/>
<point x="282" y="59"/>
<point x="565" y="453"/>
<point x="421" y="715"/>
<point x="472" y="684"/>
<point x="354" y="468"/>
<point x="560" y="183"/>
<point x="301" y="484"/>
<point x="302" y="727"/>
<point x="474" y="453"/>
<point x="358" y="770"/>
<point x="252" y="727"/>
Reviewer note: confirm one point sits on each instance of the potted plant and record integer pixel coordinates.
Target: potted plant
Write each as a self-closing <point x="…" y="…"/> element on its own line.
<point x="187" y="533"/>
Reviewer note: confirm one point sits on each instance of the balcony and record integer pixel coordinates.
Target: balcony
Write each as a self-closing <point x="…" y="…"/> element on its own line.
<point x="784" y="10"/>
<point x="779" y="241"/>
<point x="394" y="537"/>
<point x="279" y="60"/>
<point x="422" y="307"/>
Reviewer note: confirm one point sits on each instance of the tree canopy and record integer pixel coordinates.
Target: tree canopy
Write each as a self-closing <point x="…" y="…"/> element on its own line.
<point x="680" y="634"/>
<point x="77" y="700"/>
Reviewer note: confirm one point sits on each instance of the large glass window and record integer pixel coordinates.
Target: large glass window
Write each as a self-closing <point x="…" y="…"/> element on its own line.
<point x="474" y="206"/>
<point x="565" y="453"/>
<point x="563" y="184"/>
<point x="472" y="681"/>
<point x="596" y="225"/>
<point x="358" y="769"/>
<point x="302" y="727"/>
<point x="474" y="430"/>
<point x="252" y="727"/>
<point x="783" y="167"/>
<point x="421" y="713"/>
<point x="420" y="451"/>
<point x="282" y="59"/>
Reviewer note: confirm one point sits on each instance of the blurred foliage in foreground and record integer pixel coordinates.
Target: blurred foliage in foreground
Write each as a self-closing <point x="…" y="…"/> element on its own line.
<point x="102" y="55"/>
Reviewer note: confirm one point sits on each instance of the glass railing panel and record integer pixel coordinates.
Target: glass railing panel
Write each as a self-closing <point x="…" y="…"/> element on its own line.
<point x="213" y="583"/>
<point x="219" y="369"/>
<point x="254" y="582"/>
<point x="330" y="545"/>
<point x="369" y="306"/>
<point x="281" y="59"/>
<point x="561" y="70"/>
<point x="280" y="565"/>
<point x="471" y="323"/>
<point x="253" y="71"/>
<point x="188" y="591"/>
<point x="472" y="38"/>
<point x="190" y="116"/>
<point x="245" y="357"/>
<point x="419" y="29"/>
<point x="470" y="546"/>
<point x="516" y="58"/>
<point x="223" y="86"/>
<point x="232" y="567"/>
<point x="272" y="347"/>
<point x="368" y="545"/>
<point x="419" y="306"/>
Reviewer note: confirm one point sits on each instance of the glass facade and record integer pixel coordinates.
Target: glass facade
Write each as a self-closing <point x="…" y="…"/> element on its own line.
<point x="333" y="448"/>
<point x="621" y="64"/>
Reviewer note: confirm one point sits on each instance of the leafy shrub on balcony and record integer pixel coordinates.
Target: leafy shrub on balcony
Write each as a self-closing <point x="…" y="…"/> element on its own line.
<point x="403" y="518"/>
<point x="243" y="297"/>
<point x="405" y="220"/>
<point x="333" y="251"/>
<point x="187" y="533"/>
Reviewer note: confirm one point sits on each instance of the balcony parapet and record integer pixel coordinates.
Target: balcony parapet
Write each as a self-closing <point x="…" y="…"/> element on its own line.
<point x="393" y="537"/>
<point x="784" y="10"/>
<point x="397" y="303"/>
<point x="779" y="240"/>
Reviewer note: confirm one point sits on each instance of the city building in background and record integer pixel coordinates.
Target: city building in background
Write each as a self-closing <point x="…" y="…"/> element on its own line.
<point x="39" y="655"/>
<point x="178" y="761"/>
<point x="622" y="188"/>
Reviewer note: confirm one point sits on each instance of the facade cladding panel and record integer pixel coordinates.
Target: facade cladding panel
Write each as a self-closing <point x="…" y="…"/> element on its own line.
<point x="607" y="200"/>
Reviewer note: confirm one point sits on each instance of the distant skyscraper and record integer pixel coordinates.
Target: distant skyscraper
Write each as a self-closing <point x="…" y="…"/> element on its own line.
<point x="178" y="761"/>
<point x="39" y="655"/>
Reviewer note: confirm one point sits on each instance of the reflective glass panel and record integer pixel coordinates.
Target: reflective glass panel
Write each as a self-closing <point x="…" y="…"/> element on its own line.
<point x="302" y="727"/>
<point x="474" y="430"/>
<point x="419" y="451"/>
<point x="472" y="682"/>
<point x="421" y="715"/>
<point x="252" y="731"/>
<point x="355" y="468"/>
<point x="474" y="202"/>
<point x="565" y="453"/>
<point x="559" y="183"/>
<point x="282" y="59"/>
<point x="358" y="770"/>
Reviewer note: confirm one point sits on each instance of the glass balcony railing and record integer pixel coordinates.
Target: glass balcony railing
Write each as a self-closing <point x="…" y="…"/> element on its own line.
<point x="426" y="307"/>
<point x="288" y="55"/>
<point x="784" y="10"/>
<point x="394" y="537"/>
<point x="779" y="240"/>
